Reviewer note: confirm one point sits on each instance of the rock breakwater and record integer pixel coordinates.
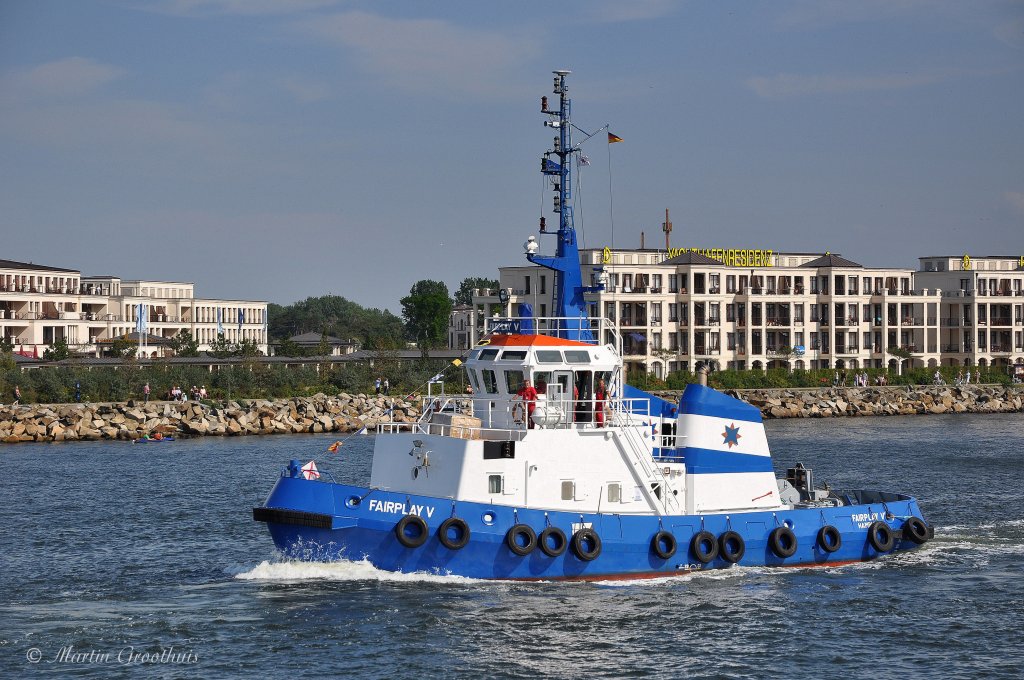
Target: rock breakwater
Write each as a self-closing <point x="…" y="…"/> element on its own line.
<point x="879" y="401"/>
<point x="132" y="420"/>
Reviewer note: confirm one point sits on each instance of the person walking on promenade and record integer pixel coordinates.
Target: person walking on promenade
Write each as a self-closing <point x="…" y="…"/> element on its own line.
<point x="376" y="386"/>
<point x="387" y="386"/>
<point x="78" y="391"/>
<point x="145" y="393"/>
<point x="967" y="380"/>
<point x="17" y="396"/>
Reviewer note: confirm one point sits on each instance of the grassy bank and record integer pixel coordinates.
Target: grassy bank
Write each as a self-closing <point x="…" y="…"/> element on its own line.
<point x="249" y="380"/>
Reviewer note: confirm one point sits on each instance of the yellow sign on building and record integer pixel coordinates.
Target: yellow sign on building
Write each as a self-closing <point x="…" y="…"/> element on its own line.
<point x="731" y="257"/>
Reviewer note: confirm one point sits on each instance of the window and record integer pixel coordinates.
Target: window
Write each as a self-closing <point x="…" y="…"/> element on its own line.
<point x="568" y="490"/>
<point x="495" y="484"/>
<point x="488" y="354"/>
<point x="574" y="356"/>
<point x="513" y="355"/>
<point x="615" y="492"/>
<point x="514" y="381"/>
<point x="489" y="382"/>
<point x="549" y="356"/>
<point x="715" y="285"/>
<point x="527" y="289"/>
<point x="673" y="311"/>
<point x="730" y="283"/>
<point x="543" y="284"/>
<point x="541" y="380"/>
<point x="673" y="283"/>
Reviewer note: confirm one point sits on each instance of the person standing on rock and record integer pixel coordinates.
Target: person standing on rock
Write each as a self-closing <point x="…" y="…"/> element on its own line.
<point x="145" y="393"/>
<point x="376" y="386"/>
<point x="387" y="386"/>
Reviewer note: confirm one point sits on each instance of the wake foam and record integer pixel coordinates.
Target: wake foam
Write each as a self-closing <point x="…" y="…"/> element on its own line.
<point x="293" y="571"/>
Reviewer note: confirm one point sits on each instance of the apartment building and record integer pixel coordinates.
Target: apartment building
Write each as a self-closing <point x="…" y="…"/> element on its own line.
<point x="678" y="310"/>
<point x="40" y="305"/>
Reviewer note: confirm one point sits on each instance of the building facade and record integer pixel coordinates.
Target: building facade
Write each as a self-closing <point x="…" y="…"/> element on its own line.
<point x="679" y="310"/>
<point x="40" y="305"/>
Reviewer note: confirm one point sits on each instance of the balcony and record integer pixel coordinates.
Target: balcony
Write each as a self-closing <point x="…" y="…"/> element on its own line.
<point x="913" y="321"/>
<point x="1001" y="321"/>
<point x="951" y="348"/>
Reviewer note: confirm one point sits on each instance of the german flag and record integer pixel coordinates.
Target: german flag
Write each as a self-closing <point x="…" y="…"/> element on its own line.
<point x="613" y="138"/>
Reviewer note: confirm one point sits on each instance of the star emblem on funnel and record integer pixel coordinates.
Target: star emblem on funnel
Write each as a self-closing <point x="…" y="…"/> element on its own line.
<point x="732" y="435"/>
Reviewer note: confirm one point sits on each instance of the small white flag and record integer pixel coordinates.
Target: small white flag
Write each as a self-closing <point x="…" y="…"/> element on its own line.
<point x="309" y="471"/>
<point x="584" y="160"/>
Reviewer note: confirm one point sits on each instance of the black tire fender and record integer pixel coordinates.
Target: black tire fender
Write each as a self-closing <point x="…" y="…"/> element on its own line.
<point x="731" y="546"/>
<point x="419" y="534"/>
<point x="521" y="547"/>
<point x="580" y="541"/>
<point x="914" y="529"/>
<point x="829" y="538"/>
<point x="782" y="541"/>
<point x="881" y="537"/>
<point x="557" y="537"/>
<point x="462" y="529"/>
<point x="704" y="546"/>
<point x="664" y="544"/>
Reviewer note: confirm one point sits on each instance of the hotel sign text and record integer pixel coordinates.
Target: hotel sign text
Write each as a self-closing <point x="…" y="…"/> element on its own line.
<point x="733" y="257"/>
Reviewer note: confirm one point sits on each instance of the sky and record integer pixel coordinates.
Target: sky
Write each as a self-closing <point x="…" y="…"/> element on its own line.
<point x="280" y="149"/>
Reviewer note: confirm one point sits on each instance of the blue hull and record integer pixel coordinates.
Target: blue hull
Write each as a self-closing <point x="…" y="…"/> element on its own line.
<point x="319" y="521"/>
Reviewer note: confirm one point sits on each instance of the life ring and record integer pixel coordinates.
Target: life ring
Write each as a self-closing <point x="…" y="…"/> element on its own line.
<point x="829" y="538"/>
<point x="586" y="544"/>
<point x="731" y="546"/>
<point x="663" y="544"/>
<point x="519" y="412"/>
<point x="521" y="539"/>
<point x="782" y="542"/>
<point x="552" y="541"/>
<point x="916" y="530"/>
<point x="419" y="531"/>
<point x="461" y="533"/>
<point x="704" y="546"/>
<point x="881" y="537"/>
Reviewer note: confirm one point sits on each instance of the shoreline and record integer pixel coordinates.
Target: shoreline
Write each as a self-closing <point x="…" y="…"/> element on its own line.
<point x="890" y="400"/>
<point x="132" y="420"/>
<point x="345" y="413"/>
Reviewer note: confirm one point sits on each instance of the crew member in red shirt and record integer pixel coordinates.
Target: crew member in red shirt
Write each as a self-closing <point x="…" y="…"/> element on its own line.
<point x="529" y="396"/>
<point x="600" y="397"/>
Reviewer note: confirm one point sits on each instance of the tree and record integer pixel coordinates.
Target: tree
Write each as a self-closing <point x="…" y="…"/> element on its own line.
<point x="123" y="348"/>
<point x="247" y="348"/>
<point x="464" y="295"/>
<point x="334" y="315"/>
<point x="426" y="310"/>
<point x="288" y="348"/>
<point x="57" y="351"/>
<point x="6" y="346"/>
<point x="901" y="353"/>
<point x="221" y="347"/>
<point x="184" y="345"/>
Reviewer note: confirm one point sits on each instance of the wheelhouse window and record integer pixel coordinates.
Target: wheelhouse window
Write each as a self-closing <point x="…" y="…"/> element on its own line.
<point x="549" y="356"/>
<point x="513" y="355"/>
<point x="495" y="484"/>
<point x="514" y="381"/>
<point x="488" y="354"/>
<point x="489" y="382"/>
<point x="575" y="356"/>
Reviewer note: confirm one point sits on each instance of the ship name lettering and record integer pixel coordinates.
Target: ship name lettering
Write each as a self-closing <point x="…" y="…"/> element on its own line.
<point x="396" y="508"/>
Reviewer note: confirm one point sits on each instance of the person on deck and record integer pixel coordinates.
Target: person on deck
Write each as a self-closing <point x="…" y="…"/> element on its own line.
<point x="600" y="401"/>
<point x="529" y="396"/>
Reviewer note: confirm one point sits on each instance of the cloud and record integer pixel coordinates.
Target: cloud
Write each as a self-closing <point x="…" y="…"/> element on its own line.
<point x="426" y="54"/>
<point x="810" y="14"/>
<point x="1016" y="200"/>
<point x="1010" y="32"/>
<point x="793" y="85"/>
<point x="615" y="11"/>
<point x="243" y="7"/>
<point x="72" y="77"/>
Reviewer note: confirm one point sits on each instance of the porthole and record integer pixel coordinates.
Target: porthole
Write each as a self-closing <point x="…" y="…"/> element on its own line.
<point x="487" y="518"/>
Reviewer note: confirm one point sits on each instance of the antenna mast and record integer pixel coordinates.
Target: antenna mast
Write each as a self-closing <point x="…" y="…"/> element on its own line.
<point x="667" y="228"/>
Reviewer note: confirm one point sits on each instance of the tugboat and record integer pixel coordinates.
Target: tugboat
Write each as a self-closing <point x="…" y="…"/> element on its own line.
<point x="556" y="469"/>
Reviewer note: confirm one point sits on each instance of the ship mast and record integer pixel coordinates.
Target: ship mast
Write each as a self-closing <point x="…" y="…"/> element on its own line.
<point x="556" y="164"/>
